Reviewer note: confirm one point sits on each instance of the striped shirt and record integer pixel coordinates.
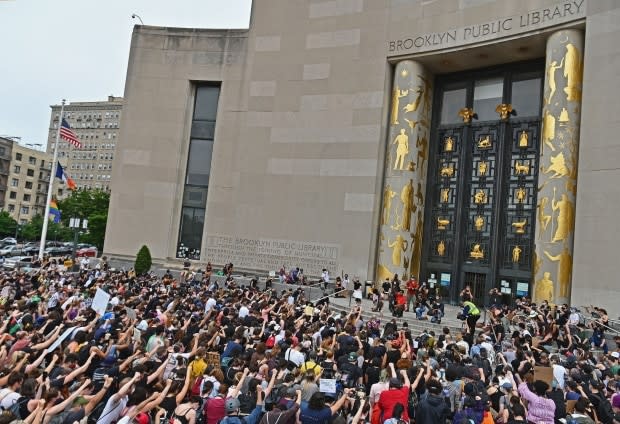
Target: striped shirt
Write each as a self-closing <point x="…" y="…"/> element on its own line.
<point x="540" y="410"/>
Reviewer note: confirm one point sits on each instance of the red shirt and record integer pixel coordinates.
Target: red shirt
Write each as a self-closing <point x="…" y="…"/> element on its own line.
<point x="389" y="398"/>
<point x="412" y="286"/>
<point x="400" y="299"/>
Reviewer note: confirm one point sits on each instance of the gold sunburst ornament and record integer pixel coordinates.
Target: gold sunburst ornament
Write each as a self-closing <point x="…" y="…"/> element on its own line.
<point x="404" y="73"/>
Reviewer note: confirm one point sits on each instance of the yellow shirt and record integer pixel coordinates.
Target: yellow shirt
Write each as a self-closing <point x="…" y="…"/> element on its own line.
<point x="310" y="366"/>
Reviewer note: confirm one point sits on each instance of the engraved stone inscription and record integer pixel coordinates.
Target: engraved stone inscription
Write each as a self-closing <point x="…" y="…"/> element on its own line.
<point x="270" y="254"/>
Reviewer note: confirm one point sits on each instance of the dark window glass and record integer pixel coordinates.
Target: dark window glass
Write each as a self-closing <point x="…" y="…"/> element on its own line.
<point x="12" y="195"/>
<point x="30" y="172"/>
<point x="192" y="226"/>
<point x="18" y="156"/>
<point x="28" y="184"/>
<point x="205" y="108"/>
<point x="199" y="162"/>
<point x="452" y="102"/>
<point x="488" y="93"/>
<point x="526" y="97"/>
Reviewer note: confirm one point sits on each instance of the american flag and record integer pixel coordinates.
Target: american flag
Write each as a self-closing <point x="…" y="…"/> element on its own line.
<point x="67" y="133"/>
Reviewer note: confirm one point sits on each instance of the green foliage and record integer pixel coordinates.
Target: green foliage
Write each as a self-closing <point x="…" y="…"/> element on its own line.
<point x="143" y="261"/>
<point x="7" y="225"/>
<point x="32" y="230"/>
<point x="87" y="204"/>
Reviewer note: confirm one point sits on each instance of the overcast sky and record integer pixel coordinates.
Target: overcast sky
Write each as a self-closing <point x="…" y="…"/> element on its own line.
<point x="78" y="50"/>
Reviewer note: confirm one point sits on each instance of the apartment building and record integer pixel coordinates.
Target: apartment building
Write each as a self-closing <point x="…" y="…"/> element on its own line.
<point x="97" y="126"/>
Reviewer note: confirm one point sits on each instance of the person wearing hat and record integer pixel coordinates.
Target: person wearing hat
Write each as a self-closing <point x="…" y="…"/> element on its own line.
<point x="233" y="405"/>
<point x="282" y="413"/>
<point x="351" y="374"/>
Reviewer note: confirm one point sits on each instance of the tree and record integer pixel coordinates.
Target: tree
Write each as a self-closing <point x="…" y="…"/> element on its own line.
<point x="87" y="204"/>
<point x="31" y="231"/>
<point x="7" y="225"/>
<point x="143" y="261"/>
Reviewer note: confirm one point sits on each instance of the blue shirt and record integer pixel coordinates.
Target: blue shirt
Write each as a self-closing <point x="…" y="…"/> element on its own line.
<point x="315" y="416"/>
<point x="253" y="418"/>
<point x="232" y="348"/>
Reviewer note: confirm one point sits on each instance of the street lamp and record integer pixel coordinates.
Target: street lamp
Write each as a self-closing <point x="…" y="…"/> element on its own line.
<point x="75" y="224"/>
<point x="134" y="16"/>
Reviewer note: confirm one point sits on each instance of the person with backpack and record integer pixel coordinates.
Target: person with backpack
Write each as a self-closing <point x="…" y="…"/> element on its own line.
<point x="433" y="407"/>
<point x="282" y="414"/>
<point x="350" y="374"/>
<point x="233" y="406"/>
<point x="396" y="393"/>
<point x="317" y="412"/>
<point x="601" y="404"/>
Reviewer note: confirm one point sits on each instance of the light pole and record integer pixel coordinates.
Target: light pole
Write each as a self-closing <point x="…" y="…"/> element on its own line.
<point x="75" y="224"/>
<point x="19" y="212"/>
<point x="134" y="16"/>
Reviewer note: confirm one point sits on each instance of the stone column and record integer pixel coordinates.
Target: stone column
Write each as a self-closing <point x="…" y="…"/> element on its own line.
<point x="404" y="177"/>
<point x="557" y="178"/>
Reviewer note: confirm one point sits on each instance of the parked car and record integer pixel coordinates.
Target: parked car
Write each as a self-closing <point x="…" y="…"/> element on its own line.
<point x="57" y="250"/>
<point x="12" y="250"/>
<point x="31" y="248"/>
<point x="90" y="252"/>
<point x="9" y="240"/>
<point x="18" y="262"/>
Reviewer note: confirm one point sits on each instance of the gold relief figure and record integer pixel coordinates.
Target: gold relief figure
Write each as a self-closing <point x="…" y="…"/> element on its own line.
<point x="402" y="149"/>
<point x="479" y="223"/>
<point x="445" y="195"/>
<point x="442" y="223"/>
<point x="536" y="264"/>
<point x="557" y="167"/>
<point x="565" y="219"/>
<point x="573" y="69"/>
<point x="516" y="254"/>
<point x="397" y="221"/>
<point x="522" y="168"/>
<point x="388" y="195"/>
<point x="396" y="95"/>
<point x="441" y="248"/>
<point x="411" y="166"/>
<point x="419" y="195"/>
<point x="399" y="246"/>
<point x="565" y="269"/>
<point x="480" y="197"/>
<point x="484" y="142"/>
<point x="523" y="139"/>
<point x="482" y="168"/>
<point x="519" y="226"/>
<point x="412" y="107"/>
<point x="553" y="66"/>
<point x="543" y="289"/>
<point x="412" y="125"/>
<point x="504" y="110"/>
<point x="447" y="171"/>
<point x="448" y="144"/>
<point x="406" y="197"/>
<point x="384" y="273"/>
<point x="476" y="252"/>
<point x="543" y="220"/>
<point x="521" y="195"/>
<point x="466" y="113"/>
<point x="548" y="132"/>
<point x="563" y="118"/>
<point x="422" y="145"/>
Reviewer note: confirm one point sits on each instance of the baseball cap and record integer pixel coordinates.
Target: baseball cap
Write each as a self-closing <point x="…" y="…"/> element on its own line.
<point x="395" y="382"/>
<point x="232" y="405"/>
<point x="352" y="357"/>
<point x="507" y="386"/>
<point x="615" y="354"/>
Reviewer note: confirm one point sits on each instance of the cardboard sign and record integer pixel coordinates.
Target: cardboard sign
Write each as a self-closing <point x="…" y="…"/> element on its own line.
<point x="327" y="385"/>
<point x="100" y="302"/>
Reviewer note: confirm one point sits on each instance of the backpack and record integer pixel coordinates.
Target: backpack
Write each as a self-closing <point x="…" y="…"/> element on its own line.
<point x="412" y="405"/>
<point x="201" y="417"/>
<point x="328" y="370"/>
<point x="604" y="410"/>
<point x="346" y="377"/>
<point x="247" y="403"/>
<point x="15" y="409"/>
<point x="195" y="391"/>
<point x="277" y="393"/>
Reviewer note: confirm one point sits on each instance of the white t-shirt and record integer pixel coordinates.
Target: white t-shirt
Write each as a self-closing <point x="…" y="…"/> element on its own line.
<point x="210" y="304"/>
<point x="294" y="356"/>
<point x="558" y="373"/>
<point x="9" y="397"/>
<point x="243" y="311"/>
<point x="112" y="410"/>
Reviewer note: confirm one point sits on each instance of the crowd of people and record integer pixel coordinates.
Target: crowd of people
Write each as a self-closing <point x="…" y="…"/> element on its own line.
<point x="196" y="349"/>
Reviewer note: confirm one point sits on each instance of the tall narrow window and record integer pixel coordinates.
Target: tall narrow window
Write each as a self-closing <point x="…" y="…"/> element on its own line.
<point x="198" y="171"/>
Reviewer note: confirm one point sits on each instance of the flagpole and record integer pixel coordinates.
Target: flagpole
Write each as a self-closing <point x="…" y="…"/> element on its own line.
<point x="50" y="189"/>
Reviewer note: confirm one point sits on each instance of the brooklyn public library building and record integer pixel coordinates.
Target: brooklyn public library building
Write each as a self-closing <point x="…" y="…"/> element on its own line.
<point x="463" y="142"/>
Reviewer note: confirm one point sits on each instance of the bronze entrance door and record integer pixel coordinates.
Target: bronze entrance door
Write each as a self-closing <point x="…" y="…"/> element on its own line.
<point x="482" y="183"/>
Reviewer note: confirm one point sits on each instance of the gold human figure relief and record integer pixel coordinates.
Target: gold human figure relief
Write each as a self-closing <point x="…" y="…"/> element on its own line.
<point x="397" y="221"/>
<point x="479" y="223"/>
<point x="504" y="110"/>
<point x="482" y="168"/>
<point x="573" y="69"/>
<point x="448" y="144"/>
<point x="565" y="269"/>
<point x="412" y="107"/>
<point x="523" y="139"/>
<point x="543" y="289"/>
<point x="563" y="118"/>
<point x="480" y="197"/>
<point x="484" y="142"/>
<point x="442" y="223"/>
<point x="476" y="252"/>
<point x="521" y="195"/>
<point x="422" y="145"/>
<point x="446" y="171"/>
<point x="519" y="226"/>
<point x="396" y="96"/>
<point x="406" y="197"/>
<point x="402" y="140"/>
<point x="516" y="254"/>
<point x="441" y="248"/>
<point x="388" y="195"/>
<point x="553" y="66"/>
<point x="522" y="168"/>
<point x="565" y="219"/>
<point x="399" y="246"/>
<point x="543" y="220"/>
<point x="412" y="125"/>
<point x="466" y="113"/>
<point x="536" y="263"/>
<point x="419" y="195"/>
<point x="445" y="195"/>
<point x="548" y="132"/>
<point x="557" y="167"/>
<point x="427" y="95"/>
